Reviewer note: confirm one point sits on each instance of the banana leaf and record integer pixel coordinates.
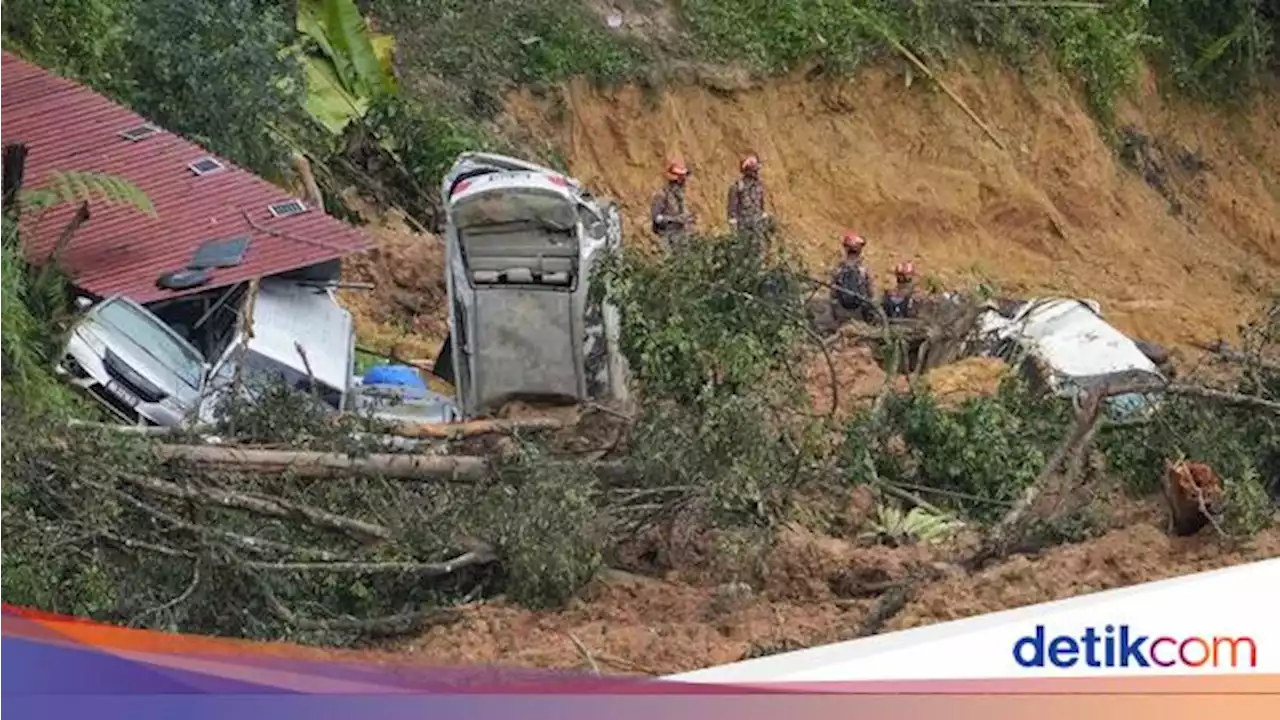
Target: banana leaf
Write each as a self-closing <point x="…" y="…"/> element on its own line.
<point x="343" y="35"/>
<point x="327" y="100"/>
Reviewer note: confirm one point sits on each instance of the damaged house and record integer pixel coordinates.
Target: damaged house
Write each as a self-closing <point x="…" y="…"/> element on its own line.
<point x="232" y="270"/>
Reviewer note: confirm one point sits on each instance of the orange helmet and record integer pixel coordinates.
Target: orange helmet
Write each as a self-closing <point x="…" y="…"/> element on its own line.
<point x="852" y="241"/>
<point x="676" y="170"/>
<point x="750" y="162"/>
<point x="905" y="270"/>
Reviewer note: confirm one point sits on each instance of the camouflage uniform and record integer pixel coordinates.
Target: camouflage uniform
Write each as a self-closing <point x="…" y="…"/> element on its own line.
<point x="669" y="215"/>
<point x="746" y="203"/>
<point x="861" y="310"/>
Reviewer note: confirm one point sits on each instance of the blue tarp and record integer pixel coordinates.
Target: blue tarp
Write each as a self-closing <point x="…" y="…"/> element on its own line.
<point x="398" y="376"/>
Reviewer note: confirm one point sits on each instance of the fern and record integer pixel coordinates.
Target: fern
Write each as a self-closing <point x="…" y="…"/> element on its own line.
<point x="86" y="186"/>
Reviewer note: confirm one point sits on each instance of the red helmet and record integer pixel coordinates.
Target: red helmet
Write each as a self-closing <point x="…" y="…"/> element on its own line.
<point x="750" y="162"/>
<point x="905" y="270"/>
<point x="676" y="170"/>
<point x="852" y="241"/>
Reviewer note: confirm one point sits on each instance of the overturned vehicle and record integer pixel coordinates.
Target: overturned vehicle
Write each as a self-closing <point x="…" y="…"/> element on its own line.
<point x="521" y="243"/>
<point x="1066" y="348"/>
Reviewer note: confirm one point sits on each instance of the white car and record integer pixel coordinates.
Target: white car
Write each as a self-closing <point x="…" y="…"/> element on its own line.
<point x="134" y="364"/>
<point x="1073" y="348"/>
<point x="521" y="242"/>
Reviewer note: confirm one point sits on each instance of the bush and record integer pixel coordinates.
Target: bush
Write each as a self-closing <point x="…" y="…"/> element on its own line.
<point x="717" y="320"/>
<point x="483" y="48"/>
<point x="1218" y="49"/>
<point x="422" y="140"/>
<point x="548" y="525"/>
<point x="214" y="70"/>
<point x="988" y="448"/>
<point x="83" y="39"/>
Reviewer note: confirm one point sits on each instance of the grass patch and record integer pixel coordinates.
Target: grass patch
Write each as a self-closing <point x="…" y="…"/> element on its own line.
<point x="479" y="49"/>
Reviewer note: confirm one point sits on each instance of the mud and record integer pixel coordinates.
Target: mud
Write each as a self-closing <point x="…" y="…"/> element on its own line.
<point x="405" y="314"/>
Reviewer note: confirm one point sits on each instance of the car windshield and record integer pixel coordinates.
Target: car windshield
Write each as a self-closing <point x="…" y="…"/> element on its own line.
<point x="147" y="332"/>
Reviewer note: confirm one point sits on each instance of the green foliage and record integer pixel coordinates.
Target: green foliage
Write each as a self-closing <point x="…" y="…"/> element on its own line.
<point x="425" y="139"/>
<point x="77" y="186"/>
<point x="35" y="306"/>
<point x="215" y="70"/>
<point x="896" y="527"/>
<point x="84" y="39"/>
<point x="711" y="336"/>
<point x="1100" y="48"/>
<point x="547" y="525"/>
<point x="987" y="447"/>
<point x="716" y="320"/>
<point x="485" y="47"/>
<point x="1215" y="48"/>
<point x="1247" y="510"/>
<point x="346" y="65"/>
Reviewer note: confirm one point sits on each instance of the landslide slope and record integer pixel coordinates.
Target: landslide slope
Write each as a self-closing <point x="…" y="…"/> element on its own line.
<point x="1175" y="229"/>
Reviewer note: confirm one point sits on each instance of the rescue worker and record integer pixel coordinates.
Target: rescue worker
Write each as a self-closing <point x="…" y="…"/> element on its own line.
<point x="670" y="217"/>
<point x="900" y="302"/>
<point x="746" y="198"/>
<point x="852" y="289"/>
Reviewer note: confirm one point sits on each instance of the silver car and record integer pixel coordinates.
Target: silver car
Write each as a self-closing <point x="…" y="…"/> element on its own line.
<point x="134" y="364"/>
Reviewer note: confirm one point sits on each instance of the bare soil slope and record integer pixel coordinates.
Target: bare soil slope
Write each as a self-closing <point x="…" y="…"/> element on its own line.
<point x="1055" y="212"/>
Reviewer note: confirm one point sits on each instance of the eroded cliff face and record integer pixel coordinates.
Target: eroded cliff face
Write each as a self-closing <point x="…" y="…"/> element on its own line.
<point x="1175" y="250"/>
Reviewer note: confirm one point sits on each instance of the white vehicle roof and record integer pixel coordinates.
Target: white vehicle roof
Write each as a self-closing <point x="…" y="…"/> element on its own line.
<point x="1071" y="336"/>
<point x="286" y="312"/>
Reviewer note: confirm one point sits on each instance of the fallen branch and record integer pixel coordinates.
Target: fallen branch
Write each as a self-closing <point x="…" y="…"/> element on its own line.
<point x="1075" y="442"/>
<point x="469" y="559"/>
<point x="181" y="598"/>
<point x="269" y="506"/>
<point x="325" y="464"/>
<point x="401" y="624"/>
<point x="586" y="654"/>
<point x="457" y="431"/>
<point x="911" y="57"/>
<point x="248" y="542"/>
<point x="1233" y="398"/>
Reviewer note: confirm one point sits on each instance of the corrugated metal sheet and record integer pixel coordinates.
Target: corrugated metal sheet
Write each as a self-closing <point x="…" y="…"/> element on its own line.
<point x="119" y="250"/>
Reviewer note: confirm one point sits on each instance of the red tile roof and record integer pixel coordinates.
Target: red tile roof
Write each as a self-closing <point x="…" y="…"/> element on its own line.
<point x="68" y="127"/>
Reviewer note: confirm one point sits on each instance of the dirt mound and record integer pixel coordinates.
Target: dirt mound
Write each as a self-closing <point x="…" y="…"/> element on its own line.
<point x="1057" y="213"/>
<point x="1137" y="554"/>
<point x="858" y="377"/>
<point x="406" y="313"/>
<point x="968" y="378"/>
<point x="634" y="624"/>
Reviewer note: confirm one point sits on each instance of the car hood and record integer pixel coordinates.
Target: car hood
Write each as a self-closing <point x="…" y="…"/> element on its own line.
<point x="101" y="336"/>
